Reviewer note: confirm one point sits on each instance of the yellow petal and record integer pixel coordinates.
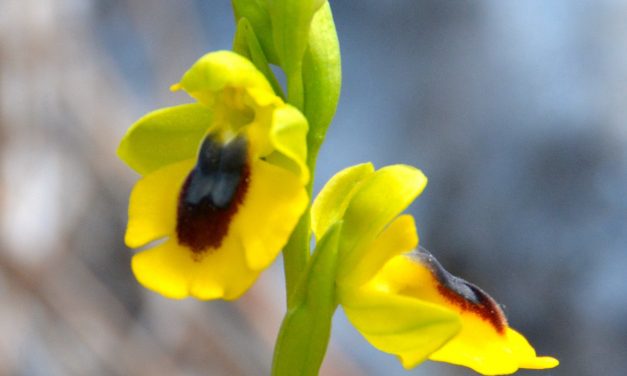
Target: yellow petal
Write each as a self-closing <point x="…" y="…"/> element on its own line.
<point x="409" y="328"/>
<point x="288" y="135"/>
<point x="274" y="202"/>
<point x="167" y="269"/>
<point x="335" y="196"/>
<point x="280" y="134"/>
<point x="480" y="349"/>
<point x="485" y="342"/>
<point x="176" y="272"/>
<point x="399" y="237"/>
<point x="153" y="203"/>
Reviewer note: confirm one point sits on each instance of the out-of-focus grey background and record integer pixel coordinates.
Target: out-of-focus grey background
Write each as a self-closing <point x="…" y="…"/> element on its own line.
<point x="515" y="110"/>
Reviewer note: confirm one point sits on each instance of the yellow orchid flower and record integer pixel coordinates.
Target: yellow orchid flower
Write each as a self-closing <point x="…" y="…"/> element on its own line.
<point x="223" y="182"/>
<point x="402" y="301"/>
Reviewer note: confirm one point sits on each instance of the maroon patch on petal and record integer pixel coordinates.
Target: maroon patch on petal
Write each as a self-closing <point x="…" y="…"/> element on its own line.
<point x="461" y="293"/>
<point x="484" y="306"/>
<point x="212" y="195"/>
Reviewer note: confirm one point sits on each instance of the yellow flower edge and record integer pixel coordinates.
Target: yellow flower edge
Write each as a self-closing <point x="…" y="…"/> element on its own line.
<point x="485" y="342"/>
<point x="213" y="222"/>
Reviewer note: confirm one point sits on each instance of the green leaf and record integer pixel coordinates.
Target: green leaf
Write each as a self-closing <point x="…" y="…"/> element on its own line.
<point x="164" y="136"/>
<point x="306" y="328"/>
<point x="322" y="77"/>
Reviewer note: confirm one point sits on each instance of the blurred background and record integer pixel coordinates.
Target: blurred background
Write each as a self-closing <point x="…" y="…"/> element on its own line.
<point x="515" y="110"/>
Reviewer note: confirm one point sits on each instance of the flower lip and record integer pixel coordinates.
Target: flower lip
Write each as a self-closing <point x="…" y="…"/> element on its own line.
<point x="461" y="293"/>
<point x="212" y="193"/>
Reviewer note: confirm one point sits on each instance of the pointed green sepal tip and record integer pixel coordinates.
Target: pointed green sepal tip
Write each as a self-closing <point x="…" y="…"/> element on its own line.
<point x="258" y="14"/>
<point x="247" y="44"/>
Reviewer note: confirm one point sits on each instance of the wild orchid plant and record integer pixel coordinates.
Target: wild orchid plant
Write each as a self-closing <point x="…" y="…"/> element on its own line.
<point x="226" y="185"/>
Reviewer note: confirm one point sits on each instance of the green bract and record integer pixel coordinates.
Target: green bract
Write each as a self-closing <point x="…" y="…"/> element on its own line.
<point x="322" y="77"/>
<point x="291" y="21"/>
<point x="247" y="44"/>
<point x="310" y="313"/>
<point x="258" y="14"/>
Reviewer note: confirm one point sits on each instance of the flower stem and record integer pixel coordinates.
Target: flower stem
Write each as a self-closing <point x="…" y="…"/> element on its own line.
<point x="295" y="87"/>
<point x="296" y="253"/>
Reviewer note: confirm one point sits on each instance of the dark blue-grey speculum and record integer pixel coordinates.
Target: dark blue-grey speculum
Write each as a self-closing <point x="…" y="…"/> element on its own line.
<point x="212" y="192"/>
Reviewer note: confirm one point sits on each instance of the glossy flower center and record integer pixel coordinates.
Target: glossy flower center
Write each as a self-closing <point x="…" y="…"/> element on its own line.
<point x="212" y="193"/>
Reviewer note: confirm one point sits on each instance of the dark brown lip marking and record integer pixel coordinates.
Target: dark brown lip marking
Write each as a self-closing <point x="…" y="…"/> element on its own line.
<point x="465" y="295"/>
<point x="212" y="194"/>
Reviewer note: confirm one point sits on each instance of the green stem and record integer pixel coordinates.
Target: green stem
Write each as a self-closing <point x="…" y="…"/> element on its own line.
<point x="295" y="86"/>
<point x="296" y="253"/>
